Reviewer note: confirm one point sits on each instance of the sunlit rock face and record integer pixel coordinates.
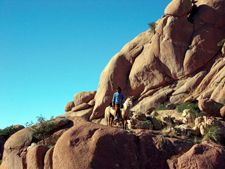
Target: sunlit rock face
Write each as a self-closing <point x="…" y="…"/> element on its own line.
<point x="183" y="49"/>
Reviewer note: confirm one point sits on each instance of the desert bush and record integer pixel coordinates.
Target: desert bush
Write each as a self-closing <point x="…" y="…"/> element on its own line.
<point x="7" y="132"/>
<point x="161" y="107"/>
<point x="212" y="133"/>
<point x="152" y="26"/>
<point x="193" y="107"/>
<point x="42" y="129"/>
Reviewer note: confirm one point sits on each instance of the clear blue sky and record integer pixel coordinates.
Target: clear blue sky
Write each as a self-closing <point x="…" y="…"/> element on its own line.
<point x="53" y="49"/>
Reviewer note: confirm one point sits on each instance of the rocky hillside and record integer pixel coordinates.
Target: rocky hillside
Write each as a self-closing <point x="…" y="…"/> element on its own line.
<point x="180" y="60"/>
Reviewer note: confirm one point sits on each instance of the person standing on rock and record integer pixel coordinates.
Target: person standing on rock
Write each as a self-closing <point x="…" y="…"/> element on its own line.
<point x="117" y="101"/>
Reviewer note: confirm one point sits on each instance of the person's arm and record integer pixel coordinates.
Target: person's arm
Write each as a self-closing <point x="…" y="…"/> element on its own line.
<point x="113" y="100"/>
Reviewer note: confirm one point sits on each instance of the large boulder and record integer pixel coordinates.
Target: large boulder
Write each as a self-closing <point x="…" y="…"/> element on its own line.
<point x="222" y="112"/>
<point x="179" y="50"/>
<point x="69" y="106"/>
<point x="206" y="155"/>
<point x="81" y="113"/>
<point x="89" y="145"/>
<point x="210" y="107"/>
<point x="179" y="8"/>
<point x="83" y="97"/>
<point x="81" y="106"/>
<point x="210" y="12"/>
<point x="48" y="163"/>
<point x="35" y="157"/>
<point x="15" y="149"/>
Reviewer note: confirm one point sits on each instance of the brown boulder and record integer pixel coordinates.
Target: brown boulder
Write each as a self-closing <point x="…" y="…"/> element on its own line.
<point x="210" y="12"/>
<point x="191" y="84"/>
<point x="15" y="148"/>
<point x="116" y="74"/>
<point x="82" y="113"/>
<point x="219" y="92"/>
<point x="48" y="159"/>
<point x="98" y="146"/>
<point x="69" y="106"/>
<point x="223" y="50"/>
<point x="202" y="49"/>
<point x="222" y="112"/>
<point x="211" y="80"/>
<point x="149" y="103"/>
<point x="92" y="102"/>
<point x="178" y="8"/>
<point x="61" y="121"/>
<point x="206" y="155"/>
<point x="210" y="107"/>
<point x="35" y="157"/>
<point x="81" y="106"/>
<point x="83" y="97"/>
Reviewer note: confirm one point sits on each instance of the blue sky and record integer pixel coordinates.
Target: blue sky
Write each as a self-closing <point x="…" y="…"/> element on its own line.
<point x="53" y="49"/>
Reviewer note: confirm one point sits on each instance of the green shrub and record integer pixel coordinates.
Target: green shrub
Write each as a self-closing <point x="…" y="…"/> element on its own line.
<point x="193" y="107"/>
<point x="213" y="133"/>
<point x="201" y="114"/>
<point x="161" y="107"/>
<point x="152" y="26"/>
<point x="7" y="132"/>
<point x="42" y="129"/>
<point x="221" y="42"/>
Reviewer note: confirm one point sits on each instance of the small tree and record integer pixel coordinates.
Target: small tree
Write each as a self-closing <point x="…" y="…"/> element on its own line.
<point x="152" y="26"/>
<point x="7" y="132"/>
<point x="42" y="129"/>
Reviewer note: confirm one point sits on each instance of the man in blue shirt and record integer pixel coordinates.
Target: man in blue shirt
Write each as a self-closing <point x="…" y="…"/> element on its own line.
<point x="117" y="100"/>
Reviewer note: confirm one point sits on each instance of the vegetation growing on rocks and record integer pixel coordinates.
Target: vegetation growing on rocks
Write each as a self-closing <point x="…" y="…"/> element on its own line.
<point x="7" y="132"/>
<point x="165" y="70"/>
<point x="42" y="129"/>
<point x="152" y="26"/>
<point x="193" y="108"/>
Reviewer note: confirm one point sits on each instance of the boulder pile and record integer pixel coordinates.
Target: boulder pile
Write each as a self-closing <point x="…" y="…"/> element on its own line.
<point x="179" y="61"/>
<point x="182" y="60"/>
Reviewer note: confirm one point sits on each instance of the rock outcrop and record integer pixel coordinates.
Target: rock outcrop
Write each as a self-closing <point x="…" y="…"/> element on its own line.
<point x="180" y="61"/>
<point x="210" y="107"/>
<point x="90" y="145"/>
<point x="206" y="155"/>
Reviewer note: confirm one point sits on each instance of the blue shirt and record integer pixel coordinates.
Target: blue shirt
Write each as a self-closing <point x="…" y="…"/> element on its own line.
<point x="118" y="98"/>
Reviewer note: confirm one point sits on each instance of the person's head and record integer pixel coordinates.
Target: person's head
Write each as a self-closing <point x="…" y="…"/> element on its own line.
<point x="118" y="89"/>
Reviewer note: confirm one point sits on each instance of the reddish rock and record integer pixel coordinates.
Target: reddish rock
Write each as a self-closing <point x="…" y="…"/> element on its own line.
<point x="206" y="155"/>
<point x="69" y="106"/>
<point x="179" y="7"/>
<point x="15" y="148"/>
<point x="35" y="157"/>
<point x="210" y="12"/>
<point x="177" y="51"/>
<point x="210" y="107"/>
<point x="89" y="145"/>
<point x="83" y="97"/>
<point x="219" y="92"/>
<point x="82" y="113"/>
<point x="81" y="106"/>
<point x="222" y="112"/>
<point x="48" y="159"/>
